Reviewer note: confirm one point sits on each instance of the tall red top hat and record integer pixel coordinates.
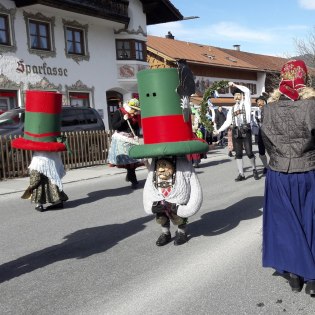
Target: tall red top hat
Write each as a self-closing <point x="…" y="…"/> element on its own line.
<point x="42" y="122"/>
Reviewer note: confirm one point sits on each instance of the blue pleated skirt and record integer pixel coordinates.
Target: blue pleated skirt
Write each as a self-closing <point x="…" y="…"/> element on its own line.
<point x="289" y="223"/>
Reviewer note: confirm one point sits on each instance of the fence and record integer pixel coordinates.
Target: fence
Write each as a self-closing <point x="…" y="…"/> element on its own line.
<point x="88" y="148"/>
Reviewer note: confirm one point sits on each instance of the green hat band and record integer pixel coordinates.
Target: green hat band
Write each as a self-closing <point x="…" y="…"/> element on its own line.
<point x="42" y="127"/>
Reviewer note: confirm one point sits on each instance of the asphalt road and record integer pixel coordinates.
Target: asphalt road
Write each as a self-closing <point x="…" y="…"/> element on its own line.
<point x="98" y="255"/>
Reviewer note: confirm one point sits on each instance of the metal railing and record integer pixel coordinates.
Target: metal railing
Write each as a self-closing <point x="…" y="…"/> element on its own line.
<point x="88" y="148"/>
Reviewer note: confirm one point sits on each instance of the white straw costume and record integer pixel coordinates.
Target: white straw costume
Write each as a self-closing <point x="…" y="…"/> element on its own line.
<point x="186" y="191"/>
<point x="49" y="164"/>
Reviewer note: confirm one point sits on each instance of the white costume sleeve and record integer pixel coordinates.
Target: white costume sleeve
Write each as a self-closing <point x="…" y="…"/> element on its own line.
<point x="247" y="101"/>
<point x="195" y="199"/>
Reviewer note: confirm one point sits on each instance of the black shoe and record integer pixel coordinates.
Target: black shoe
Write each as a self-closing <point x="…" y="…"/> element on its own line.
<point x="55" y="206"/>
<point x="296" y="283"/>
<point x="239" y="178"/>
<point x="230" y="154"/>
<point x="40" y="208"/>
<point x="163" y="239"/>
<point x="310" y="288"/>
<point x="134" y="185"/>
<point x="180" y="238"/>
<point x="255" y="174"/>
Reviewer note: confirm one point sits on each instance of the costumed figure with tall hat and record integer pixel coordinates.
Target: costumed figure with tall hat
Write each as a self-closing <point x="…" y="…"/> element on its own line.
<point x="42" y="136"/>
<point x="172" y="190"/>
<point x="126" y="123"/>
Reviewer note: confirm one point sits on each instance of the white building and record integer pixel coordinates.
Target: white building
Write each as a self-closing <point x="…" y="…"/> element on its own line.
<point x="88" y="50"/>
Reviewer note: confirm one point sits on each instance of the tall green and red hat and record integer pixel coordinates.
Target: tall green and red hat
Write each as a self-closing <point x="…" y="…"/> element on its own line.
<point x="42" y="123"/>
<point x="166" y="132"/>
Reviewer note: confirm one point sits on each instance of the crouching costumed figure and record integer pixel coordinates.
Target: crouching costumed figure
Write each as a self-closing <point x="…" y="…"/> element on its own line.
<point x="172" y="191"/>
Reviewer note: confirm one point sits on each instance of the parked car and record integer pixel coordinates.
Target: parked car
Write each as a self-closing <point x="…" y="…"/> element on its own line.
<point x="72" y="119"/>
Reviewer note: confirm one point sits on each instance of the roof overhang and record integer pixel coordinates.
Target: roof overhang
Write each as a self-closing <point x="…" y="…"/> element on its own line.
<point x="160" y="11"/>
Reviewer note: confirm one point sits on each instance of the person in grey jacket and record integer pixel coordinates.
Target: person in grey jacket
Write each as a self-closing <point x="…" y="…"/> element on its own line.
<point x="288" y="131"/>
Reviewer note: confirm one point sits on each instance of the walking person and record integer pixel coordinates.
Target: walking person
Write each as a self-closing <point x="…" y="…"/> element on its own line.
<point x="220" y="118"/>
<point x="289" y="202"/>
<point x="126" y="123"/>
<point x="258" y="117"/>
<point x="230" y="142"/>
<point x="239" y="116"/>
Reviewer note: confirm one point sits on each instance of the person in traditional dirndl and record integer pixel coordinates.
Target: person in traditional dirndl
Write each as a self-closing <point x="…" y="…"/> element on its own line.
<point x="126" y="123"/>
<point x="42" y="136"/>
<point x="172" y="191"/>
<point x="288" y="132"/>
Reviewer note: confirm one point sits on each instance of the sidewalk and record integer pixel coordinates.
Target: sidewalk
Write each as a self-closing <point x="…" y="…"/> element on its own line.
<point x="20" y="184"/>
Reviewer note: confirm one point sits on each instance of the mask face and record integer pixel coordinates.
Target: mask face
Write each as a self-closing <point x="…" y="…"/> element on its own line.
<point x="260" y="103"/>
<point x="237" y="96"/>
<point x="164" y="169"/>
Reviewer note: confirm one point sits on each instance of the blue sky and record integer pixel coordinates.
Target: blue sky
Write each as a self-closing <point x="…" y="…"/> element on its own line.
<point x="269" y="27"/>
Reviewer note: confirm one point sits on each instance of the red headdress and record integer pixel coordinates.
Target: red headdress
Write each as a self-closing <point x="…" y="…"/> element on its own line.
<point x="293" y="78"/>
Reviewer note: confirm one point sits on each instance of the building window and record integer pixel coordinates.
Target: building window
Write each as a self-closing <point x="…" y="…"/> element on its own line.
<point x="4" y="30"/>
<point x="7" y="38"/>
<point x="39" y="35"/>
<point x="75" y="41"/>
<point x="139" y="50"/>
<point x="252" y="87"/>
<point x="130" y="49"/>
<point x="79" y="99"/>
<point x="8" y="100"/>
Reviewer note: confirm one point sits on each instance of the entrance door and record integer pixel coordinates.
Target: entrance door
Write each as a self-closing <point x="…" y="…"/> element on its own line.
<point x="114" y="101"/>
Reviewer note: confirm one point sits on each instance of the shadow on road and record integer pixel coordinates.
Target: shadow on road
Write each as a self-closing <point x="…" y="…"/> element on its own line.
<point x="80" y="244"/>
<point x="213" y="163"/>
<point x="101" y="194"/>
<point x="221" y="221"/>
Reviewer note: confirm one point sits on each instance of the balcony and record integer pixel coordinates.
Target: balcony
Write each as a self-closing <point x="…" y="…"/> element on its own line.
<point x="116" y="11"/>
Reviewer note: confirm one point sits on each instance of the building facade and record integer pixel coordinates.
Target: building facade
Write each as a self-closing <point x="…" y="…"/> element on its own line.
<point x="90" y="51"/>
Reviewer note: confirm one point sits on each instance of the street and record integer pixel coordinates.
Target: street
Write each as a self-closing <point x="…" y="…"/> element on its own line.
<point x="98" y="254"/>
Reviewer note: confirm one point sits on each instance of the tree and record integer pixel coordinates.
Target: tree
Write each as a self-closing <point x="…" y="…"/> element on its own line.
<point x="306" y="52"/>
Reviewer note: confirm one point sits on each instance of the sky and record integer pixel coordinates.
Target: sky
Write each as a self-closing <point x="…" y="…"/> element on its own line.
<point x="268" y="27"/>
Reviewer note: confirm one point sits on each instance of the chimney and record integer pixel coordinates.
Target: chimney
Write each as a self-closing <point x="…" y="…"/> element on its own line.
<point x="169" y="35"/>
<point x="237" y="47"/>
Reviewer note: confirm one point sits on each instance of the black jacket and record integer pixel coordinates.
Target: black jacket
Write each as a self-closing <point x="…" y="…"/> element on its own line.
<point x="219" y="118"/>
<point x="120" y="124"/>
<point x="288" y="132"/>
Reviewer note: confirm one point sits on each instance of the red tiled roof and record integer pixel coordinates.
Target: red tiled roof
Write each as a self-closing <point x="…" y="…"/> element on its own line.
<point x="262" y="62"/>
<point x="214" y="56"/>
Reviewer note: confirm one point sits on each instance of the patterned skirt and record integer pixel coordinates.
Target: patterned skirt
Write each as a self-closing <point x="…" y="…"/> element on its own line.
<point x="289" y="223"/>
<point x="45" y="191"/>
<point x="118" y="154"/>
